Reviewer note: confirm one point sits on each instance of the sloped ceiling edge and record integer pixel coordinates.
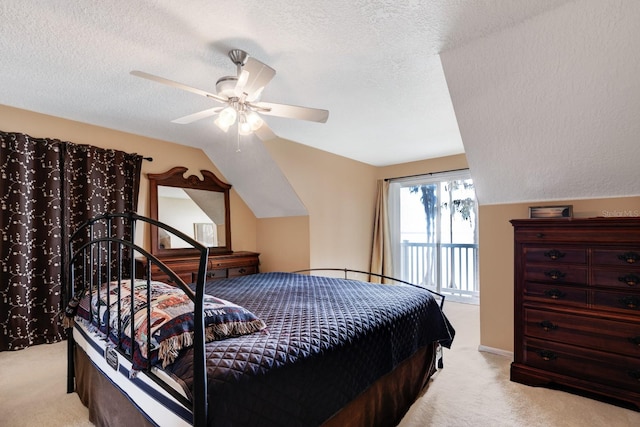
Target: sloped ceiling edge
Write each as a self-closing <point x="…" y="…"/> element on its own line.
<point x="548" y="110"/>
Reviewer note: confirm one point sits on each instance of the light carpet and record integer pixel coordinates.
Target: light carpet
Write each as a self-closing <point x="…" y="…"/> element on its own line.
<point x="473" y="389"/>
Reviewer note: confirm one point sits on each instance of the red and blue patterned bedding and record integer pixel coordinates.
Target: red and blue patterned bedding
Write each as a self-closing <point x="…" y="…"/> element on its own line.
<point x="169" y="327"/>
<point x="329" y="339"/>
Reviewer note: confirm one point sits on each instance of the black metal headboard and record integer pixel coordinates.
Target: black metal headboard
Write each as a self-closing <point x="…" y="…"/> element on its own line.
<point x="103" y="249"/>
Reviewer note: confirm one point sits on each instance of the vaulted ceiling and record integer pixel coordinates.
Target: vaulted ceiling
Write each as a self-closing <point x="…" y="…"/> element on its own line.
<point x="403" y="81"/>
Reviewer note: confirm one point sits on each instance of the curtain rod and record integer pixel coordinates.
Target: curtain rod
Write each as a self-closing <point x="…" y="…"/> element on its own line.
<point x="425" y="174"/>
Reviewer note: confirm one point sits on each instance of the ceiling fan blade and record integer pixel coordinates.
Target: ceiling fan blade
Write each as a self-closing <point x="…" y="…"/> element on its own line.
<point x="177" y="85"/>
<point x="259" y="75"/>
<point x="265" y="133"/>
<point x="291" y="111"/>
<point x="241" y="83"/>
<point x="198" y="116"/>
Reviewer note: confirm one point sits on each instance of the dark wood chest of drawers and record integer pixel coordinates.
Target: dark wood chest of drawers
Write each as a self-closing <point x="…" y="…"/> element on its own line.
<point x="577" y="305"/>
<point x="218" y="266"/>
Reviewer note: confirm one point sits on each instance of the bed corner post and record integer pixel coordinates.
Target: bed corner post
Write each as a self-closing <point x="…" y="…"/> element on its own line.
<point x="71" y="373"/>
<point x="199" y="354"/>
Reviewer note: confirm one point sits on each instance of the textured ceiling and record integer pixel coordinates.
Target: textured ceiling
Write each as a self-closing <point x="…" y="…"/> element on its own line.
<point x="373" y="64"/>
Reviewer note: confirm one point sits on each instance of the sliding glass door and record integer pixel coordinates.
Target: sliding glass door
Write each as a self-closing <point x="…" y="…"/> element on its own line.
<point x="433" y="221"/>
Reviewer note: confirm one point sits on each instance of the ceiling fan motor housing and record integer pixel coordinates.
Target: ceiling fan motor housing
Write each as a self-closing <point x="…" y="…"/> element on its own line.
<point x="225" y="86"/>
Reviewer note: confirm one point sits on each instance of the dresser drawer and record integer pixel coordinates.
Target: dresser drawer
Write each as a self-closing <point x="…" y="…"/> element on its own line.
<point x="591" y="365"/>
<point x="243" y="271"/>
<point x="565" y="295"/>
<point x="596" y="333"/>
<point x="617" y="257"/>
<point x="556" y="274"/>
<point x="220" y="273"/>
<point x="626" y="302"/>
<point x="628" y="279"/>
<point x="558" y="255"/>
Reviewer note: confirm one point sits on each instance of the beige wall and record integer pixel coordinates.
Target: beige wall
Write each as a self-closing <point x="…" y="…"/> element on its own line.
<point x="339" y="195"/>
<point x="243" y="225"/>
<point x="283" y="243"/>
<point x="442" y="164"/>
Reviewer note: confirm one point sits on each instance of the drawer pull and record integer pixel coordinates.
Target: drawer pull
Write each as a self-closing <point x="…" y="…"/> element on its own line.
<point x="630" y="302"/>
<point x="554" y="254"/>
<point x="629" y="257"/>
<point x="555" y="293"/>
<point x="635" y="374"/>
<point x="555" y="274"/>
<point x="629" y="279"/>
<point x="635" y="340"/>
<point x="242" y="270"/>
<point x="547" y="355"/>
<point x="540" y="235"/>
<point x="548" y="326"/>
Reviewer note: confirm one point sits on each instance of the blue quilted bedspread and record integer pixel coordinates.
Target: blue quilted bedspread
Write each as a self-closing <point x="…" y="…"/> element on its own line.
<point x="328" y="340"/>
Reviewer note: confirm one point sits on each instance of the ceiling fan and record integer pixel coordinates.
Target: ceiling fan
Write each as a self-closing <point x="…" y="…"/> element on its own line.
<point x="240" y="96"/>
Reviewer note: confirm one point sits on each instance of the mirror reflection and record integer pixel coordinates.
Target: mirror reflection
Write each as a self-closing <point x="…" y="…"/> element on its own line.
<point x="197" y="213"/>
<point x="198" y="207"/>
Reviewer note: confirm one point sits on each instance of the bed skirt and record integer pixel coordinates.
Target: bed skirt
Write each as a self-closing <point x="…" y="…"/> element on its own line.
<point x="376" y="406"/>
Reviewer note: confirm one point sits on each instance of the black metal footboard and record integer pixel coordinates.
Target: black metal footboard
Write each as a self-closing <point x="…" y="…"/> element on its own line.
<point x="103" y="250"/>
<point x="368" y="274"/>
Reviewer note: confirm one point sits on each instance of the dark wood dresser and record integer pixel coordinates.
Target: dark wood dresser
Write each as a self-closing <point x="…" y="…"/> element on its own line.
<point x="577" y="305"/>
<point x="218" y="267"/>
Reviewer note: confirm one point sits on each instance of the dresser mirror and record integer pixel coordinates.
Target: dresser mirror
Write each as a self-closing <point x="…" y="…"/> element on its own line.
<point x="197" y="207"/>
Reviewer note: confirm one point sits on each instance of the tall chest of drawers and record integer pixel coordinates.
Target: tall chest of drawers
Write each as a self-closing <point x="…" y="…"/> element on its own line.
<point x="577" y="305"/>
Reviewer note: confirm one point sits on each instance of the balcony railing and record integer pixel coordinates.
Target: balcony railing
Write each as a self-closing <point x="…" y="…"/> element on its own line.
<point x="448" y="268"/>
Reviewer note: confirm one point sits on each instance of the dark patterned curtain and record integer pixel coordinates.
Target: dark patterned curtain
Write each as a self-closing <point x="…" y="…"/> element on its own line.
<point x="48" y="188"/>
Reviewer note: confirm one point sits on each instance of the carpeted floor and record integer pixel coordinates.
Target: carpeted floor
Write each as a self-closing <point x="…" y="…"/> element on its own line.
<point x="472" y="390"/>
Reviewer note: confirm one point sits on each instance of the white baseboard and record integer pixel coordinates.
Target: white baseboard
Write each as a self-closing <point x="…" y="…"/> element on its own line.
<point x="497" y="351"/>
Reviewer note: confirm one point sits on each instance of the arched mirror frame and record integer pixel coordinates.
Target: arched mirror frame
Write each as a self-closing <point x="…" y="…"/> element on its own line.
<point x="175" y="178"/>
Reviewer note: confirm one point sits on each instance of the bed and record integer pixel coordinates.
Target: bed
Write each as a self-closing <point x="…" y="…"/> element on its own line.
<point x="286" y="349"/>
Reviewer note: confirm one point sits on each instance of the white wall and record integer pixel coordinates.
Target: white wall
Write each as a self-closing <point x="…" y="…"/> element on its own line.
<point x="549" y="109"/>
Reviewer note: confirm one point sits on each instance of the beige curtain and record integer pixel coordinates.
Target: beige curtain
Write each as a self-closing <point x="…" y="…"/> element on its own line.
<point x="381" y="251"/>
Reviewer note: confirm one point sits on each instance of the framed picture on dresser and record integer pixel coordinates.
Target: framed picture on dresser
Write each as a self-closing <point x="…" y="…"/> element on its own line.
<point x="565" y="211"/>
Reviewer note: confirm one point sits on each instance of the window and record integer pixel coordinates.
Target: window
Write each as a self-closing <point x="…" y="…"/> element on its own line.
<point x="433" y="222"/>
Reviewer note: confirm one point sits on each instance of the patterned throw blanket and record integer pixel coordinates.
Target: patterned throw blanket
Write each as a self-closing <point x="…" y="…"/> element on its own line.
<point x="171" y="319"/>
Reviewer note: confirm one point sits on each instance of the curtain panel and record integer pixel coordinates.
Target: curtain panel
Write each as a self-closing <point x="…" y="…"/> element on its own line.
<point x="48" y="188"/>
<point x="381" y="248"/>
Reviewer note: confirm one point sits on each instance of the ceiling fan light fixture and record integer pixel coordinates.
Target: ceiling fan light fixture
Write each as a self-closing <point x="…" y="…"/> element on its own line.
<point x="226" y="118"/>
<point x="244" y="127"/>
<point x="254" y="120"/>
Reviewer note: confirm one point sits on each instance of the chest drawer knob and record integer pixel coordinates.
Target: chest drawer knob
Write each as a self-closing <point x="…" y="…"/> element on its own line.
<point x="555" y="274"/>
<point x="629" y="279"/>
<point x="555" y="293"/>
<point x="629" y="257"/>
<point x="554" y="254"/>
<point x="548" y="326"/>
<point x="630" y="301"/>
<point x="635" y="340"/>
<point x="547" y="355"/>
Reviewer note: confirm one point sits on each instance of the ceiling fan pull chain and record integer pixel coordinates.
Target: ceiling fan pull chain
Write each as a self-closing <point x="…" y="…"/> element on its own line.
<point x="238" y="137"/>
